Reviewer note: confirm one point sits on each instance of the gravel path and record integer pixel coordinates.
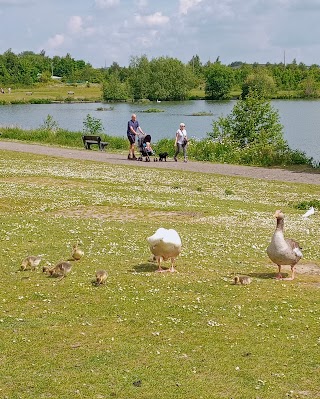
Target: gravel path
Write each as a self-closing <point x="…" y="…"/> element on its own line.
<point x="312" y="177"/>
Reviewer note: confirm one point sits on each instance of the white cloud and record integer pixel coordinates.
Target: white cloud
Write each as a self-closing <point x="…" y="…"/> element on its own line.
<point x="56" y="41"/>
<point x="186" y="5"/>
<point x="106" y="3"/>
<point x="156" y="19"/>
<point x="78" y="26"/>
<point x="141" y="3"/>
<point x="75" y="24"/>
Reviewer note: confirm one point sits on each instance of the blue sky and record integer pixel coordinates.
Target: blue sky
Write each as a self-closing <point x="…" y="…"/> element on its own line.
<point x="103" y="31"/>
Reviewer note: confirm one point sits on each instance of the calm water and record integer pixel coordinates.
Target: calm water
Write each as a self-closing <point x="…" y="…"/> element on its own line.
<point x="300" y="118"/>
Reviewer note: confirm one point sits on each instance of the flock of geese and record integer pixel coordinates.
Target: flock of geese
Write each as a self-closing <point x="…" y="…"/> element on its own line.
<point x="165" y="244"/>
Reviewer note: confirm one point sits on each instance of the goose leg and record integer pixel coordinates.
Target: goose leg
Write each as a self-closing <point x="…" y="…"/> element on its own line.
<point x="292" y="272"/>
<point x="172" y="269"/>
<point x="62" y="277"/>
<point x="159" y="259"/>
<point x="279" y="276"/>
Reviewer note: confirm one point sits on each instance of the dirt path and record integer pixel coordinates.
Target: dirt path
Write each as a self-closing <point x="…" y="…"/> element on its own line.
<point x="203" y="167"/>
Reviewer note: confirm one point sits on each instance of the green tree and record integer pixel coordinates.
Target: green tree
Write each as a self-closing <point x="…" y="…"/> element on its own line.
<point x="219" y="81"/>
<point x="169" y="79"/>
<point x="309" y="87"/>
<point x="261" y="83"/>
<point x="196" y="66"/>
<point x="139" y="77"/>
<point x="251" y="121"/>
<point x="114" y="90"/>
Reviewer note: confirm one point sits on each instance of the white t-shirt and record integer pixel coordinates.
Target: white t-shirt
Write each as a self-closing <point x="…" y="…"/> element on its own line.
<point x="181" y="134"/>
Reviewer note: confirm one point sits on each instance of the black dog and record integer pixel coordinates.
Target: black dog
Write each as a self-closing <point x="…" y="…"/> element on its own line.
<point x="163" y="156"/>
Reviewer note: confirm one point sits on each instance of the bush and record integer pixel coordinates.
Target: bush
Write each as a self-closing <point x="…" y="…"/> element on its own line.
<point x="92" y="125"/>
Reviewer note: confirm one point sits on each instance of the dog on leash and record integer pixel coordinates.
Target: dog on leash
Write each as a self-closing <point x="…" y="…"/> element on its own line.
<point x="163" y="156"/>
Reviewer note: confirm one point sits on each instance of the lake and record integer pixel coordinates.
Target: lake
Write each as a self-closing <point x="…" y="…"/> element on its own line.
<point x="300" y="118"/>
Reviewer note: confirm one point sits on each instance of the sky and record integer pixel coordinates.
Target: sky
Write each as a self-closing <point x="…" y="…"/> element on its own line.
<point x="101" y="32"/>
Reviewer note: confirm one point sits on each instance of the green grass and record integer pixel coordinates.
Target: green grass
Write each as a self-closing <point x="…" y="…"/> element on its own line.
<point x="53" y="92"/>
<point x="152" y="110"/>
<point x="191" y="334"/>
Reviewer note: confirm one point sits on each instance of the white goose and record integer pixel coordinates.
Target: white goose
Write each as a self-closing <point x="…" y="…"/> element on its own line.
<point x="283" y="251"/>
<point x="165" y="244"/>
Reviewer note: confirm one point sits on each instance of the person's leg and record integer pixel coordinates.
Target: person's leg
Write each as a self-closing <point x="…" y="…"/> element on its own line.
<point x="185" y="153"/>
<point x="131" y="147"/>
<point x="178" y="147"/>
<point x="132" y="151"/>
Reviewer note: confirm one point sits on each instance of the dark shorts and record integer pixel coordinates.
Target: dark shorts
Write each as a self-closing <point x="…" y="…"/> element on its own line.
<point x="131" y="138"/>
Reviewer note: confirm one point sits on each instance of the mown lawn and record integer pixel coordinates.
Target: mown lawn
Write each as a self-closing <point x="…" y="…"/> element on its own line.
<point x="190" y="334"/>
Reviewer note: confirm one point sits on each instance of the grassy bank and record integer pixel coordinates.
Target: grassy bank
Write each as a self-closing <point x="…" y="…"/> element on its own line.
<point x="191" y="334"/>
<point x="199" y="150"/>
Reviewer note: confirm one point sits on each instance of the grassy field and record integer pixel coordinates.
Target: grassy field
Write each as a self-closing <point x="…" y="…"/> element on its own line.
<point x="54" y="92"/>
<point x="190" y="334"/>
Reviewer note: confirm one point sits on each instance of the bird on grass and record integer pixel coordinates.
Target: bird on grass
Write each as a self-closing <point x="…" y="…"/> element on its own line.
<point x="309" y="212"/>
<point x="77" y="253"/>
<point x="244" y="280"/>
<point x="101" y="277"/>
<point x="165" y="244"/>
<point x="281" y="250"/>
<point x="30" y="262"/>
<point x="61" y="269"/>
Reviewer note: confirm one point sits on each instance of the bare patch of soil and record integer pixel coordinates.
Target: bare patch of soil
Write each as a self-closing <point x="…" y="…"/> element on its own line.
<point x="307" y="268"/>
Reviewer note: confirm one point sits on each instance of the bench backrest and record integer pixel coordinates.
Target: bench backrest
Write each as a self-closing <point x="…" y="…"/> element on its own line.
<point x="91" y="138"/>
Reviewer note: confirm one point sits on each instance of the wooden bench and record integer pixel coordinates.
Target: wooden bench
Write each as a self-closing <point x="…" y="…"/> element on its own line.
<point x="89" y="140"/>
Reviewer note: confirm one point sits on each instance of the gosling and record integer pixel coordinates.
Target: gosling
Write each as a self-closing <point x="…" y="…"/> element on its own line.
<point x="101" y="277"/>
<point x="30" y="262"/>
<point x="244" y="280"/>
<point x="61" y="269"/>
<point x="77" y="253"/>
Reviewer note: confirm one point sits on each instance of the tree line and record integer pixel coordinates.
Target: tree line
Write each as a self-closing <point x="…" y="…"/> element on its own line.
<point x="165" y="78"/>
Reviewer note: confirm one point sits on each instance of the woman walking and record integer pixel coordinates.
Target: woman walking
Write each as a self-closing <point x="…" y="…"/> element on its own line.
<point x="181" y="142"/>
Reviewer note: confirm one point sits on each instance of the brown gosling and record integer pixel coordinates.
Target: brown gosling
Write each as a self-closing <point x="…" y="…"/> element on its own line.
<point x="77" y="253"/>
<point x="244" y="280"/>
<point x="30" y="262"/>
<point x="61" y="269"/>
<point x="101" y="277"/>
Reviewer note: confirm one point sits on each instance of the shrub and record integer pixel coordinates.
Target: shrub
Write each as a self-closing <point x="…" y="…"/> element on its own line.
<point x="92" y="125"/>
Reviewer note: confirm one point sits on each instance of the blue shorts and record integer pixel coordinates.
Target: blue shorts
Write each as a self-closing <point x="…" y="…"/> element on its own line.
<point x="131" y="138"/>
